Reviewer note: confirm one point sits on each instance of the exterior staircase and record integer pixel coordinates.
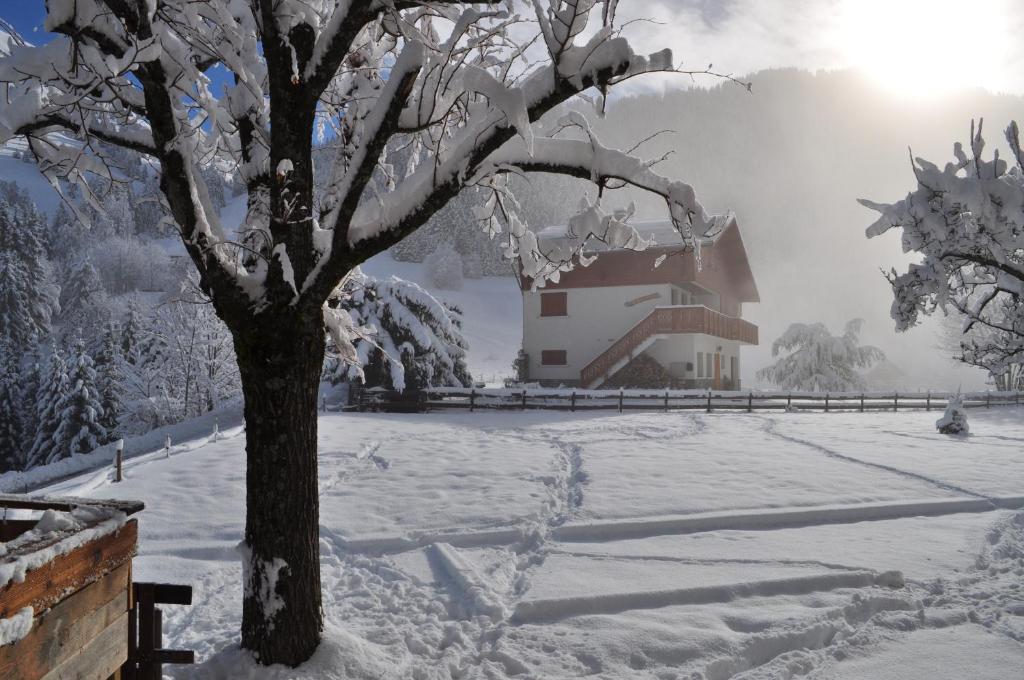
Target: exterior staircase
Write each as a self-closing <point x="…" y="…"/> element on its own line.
<point x="661" y="323"/>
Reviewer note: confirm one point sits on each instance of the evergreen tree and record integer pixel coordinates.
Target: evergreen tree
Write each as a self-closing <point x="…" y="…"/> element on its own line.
<point x="48" y="413"/>
<point x="84" y="304"/>
<point x="10" y="417"/>
<point x="109" y="382"/>
<point x="79" y="429"/>
<point x="30" y="386"/>
<point x="28" y="295"/>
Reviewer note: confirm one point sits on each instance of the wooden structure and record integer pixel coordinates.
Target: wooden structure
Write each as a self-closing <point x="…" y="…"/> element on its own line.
<point x="69" y="575"/>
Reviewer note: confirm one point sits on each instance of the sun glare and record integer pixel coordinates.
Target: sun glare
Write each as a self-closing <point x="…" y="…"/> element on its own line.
<point x="926" y="48"/>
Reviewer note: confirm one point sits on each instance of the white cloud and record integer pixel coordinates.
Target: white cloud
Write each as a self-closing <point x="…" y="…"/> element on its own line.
<point x="930" y="43"/>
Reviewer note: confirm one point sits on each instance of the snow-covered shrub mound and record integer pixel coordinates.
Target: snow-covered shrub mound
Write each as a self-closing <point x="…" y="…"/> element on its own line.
<point x="444" y="268"/>
<point x="414" y="341"/>
<point x="954" y="420"/>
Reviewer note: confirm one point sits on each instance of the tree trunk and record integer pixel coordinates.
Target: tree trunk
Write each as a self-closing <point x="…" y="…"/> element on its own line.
<point x="280" y="360"/>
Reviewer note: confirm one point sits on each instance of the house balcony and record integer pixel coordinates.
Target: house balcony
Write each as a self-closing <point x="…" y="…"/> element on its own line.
<point x="662" y="322"/>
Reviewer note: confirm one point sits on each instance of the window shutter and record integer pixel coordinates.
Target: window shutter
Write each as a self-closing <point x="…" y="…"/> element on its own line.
<point x="554" y="304"/>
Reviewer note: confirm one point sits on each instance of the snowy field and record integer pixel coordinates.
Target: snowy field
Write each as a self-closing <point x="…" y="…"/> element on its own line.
<point x="555" y="545"/>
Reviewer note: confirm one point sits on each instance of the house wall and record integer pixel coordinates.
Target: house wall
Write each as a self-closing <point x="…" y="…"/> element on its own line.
<point x="596" y="318"/>
<point x="676" y="351"/>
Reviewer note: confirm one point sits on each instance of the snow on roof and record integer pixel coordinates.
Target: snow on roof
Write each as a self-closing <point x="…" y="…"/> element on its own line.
<point x="663" y="232"/>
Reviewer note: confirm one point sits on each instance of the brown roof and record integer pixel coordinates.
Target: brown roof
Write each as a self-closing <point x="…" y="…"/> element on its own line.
<point x="724" y="268"/>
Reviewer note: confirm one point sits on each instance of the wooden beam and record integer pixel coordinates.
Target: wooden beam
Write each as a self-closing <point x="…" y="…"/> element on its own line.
<point x="66" y="503"/>
<point x="47" y="585"/>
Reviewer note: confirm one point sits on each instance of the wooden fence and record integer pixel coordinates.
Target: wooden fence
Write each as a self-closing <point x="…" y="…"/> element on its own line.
<point x="675" y="400"/>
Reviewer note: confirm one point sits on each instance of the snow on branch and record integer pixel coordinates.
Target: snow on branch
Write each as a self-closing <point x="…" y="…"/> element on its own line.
<point x="967" y="221"/>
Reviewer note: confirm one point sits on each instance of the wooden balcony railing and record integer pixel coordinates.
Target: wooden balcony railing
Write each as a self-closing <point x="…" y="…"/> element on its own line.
<point x="669" y="320"/>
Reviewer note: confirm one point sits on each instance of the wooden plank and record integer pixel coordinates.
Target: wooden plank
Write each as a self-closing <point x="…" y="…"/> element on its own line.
<point x="100" y="658"/>
<point x="47" y="585"/>
<point x="65" y="503"/>
<point x="63" y="630"/>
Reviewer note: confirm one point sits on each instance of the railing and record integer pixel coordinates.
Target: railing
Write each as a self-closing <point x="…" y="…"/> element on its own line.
<point x="563" y="399"/>
<point x="662" y="320"/>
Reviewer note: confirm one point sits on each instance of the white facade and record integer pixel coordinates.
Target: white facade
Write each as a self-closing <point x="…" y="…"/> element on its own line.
<point x="597" y="317"/>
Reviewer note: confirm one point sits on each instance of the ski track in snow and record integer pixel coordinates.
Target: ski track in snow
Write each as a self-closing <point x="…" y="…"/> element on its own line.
<point x="770" y="429"/>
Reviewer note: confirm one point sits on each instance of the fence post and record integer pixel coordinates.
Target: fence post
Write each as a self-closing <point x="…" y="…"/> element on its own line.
<point x="988" y="399"/>
<point x="472" y="399"/>
<point x="826" y="402"/>
<point x="572" y="400"/>
<point x="928" y="402"/>
<point x="524" y="398"/>
<point x="862" y="402"/>
<point x="167" y="446"/>
<point x="895" y="402"/>
<point x="709" y="400"/>
<point x="216" y="429"/>
<point x="666" y="401"/>
<point x="621" y="390"/>
<point x="789" y="401"/>
<point x="750" y="402"/>
<point x="119" y="460"/>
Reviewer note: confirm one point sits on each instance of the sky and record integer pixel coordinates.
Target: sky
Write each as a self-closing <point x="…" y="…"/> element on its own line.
<point x="915" y="48"/>
<point x="920" y="49"/>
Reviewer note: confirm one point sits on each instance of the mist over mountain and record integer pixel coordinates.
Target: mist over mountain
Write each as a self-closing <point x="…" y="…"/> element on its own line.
<point x="791" y="158"/>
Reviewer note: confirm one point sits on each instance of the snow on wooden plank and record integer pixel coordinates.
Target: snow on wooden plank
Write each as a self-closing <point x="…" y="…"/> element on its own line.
<point x="66" y="503"/>
<point x="47" y="583"/>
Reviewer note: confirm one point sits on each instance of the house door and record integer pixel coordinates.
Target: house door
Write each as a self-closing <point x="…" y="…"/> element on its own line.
<point x="718" y="371"/>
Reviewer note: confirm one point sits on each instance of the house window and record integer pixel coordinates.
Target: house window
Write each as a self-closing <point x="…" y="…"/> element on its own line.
<point x="553" y="304"/>
<point x="700" y="364"/>
<point x="553" y="357"/>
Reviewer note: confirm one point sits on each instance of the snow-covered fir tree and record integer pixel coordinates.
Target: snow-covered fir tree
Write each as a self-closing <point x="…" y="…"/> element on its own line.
<point x="412" y="340"/>
<point x="11" y="426"/>
<point x="84" y="304"/>
<point x="79" y="429"/>
<point x="819" y="361"/>
<point x="28" y="294"/>
<point x="110" y="380"/>
<point x="48" y="410"/>
<point x="30" y="386"/>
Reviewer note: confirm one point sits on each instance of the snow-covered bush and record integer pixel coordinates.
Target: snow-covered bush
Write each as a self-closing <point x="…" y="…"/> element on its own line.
<point x="444" y="268"/>
<point x="411" y="340"/>
<point x="954" y="420"/>
<point x="819" y="361"/>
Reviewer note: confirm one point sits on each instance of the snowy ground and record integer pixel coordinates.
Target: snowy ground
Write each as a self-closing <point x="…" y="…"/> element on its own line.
<point x="555" y="545"/>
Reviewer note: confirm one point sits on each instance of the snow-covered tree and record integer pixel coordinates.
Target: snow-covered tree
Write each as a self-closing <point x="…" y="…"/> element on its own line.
<point x="28" y="295"/>
<point x="412" y="340"/>
<point x="954" y="420"/>
<point x="51" y="397"/>
<point x="11" y="426"/>
<point x="84" y="304"/>
<point x="464" y="81"/>
<point x="444" y="267"/>
<point x="79" y="429"/>
<point x="30" y="386"/>
<point x="818" y="361"/>
<point x="110" y="381"/>
<point x="967" y="221"/>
